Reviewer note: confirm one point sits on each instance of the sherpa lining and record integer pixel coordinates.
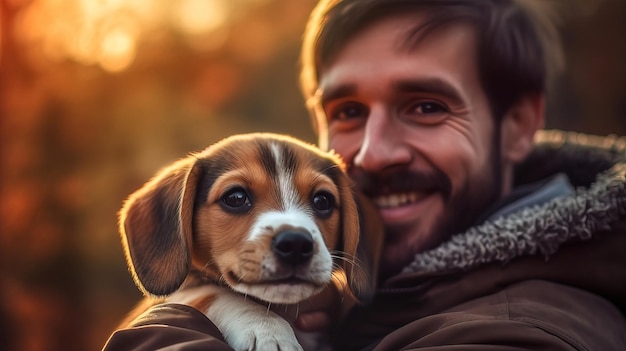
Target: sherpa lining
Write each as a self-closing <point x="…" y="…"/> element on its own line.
<point x="542" y="229"/>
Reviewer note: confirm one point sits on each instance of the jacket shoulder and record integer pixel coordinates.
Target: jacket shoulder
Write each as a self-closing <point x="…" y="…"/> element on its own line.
<point x="168" y="327"/>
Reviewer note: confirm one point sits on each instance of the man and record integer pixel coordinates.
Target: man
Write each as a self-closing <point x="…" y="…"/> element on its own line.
<point x="434" y="106"/>
<point x="492" y="242"/>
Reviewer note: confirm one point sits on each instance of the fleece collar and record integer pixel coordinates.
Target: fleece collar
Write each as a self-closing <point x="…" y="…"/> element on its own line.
<point x="543" y="227"/>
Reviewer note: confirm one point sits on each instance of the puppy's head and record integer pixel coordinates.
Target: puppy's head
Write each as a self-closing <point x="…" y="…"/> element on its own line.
<point x="270" y="216"/>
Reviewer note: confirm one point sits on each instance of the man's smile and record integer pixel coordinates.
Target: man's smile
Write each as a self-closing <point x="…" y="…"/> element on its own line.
<point x="398" y="199"/>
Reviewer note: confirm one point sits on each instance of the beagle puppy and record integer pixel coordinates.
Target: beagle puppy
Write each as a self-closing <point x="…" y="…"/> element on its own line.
<point x="253" y="220"/>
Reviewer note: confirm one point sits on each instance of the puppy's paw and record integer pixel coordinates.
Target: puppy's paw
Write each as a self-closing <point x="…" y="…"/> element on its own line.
<point x="268" y="332"/>
<point x="246" y="325"/>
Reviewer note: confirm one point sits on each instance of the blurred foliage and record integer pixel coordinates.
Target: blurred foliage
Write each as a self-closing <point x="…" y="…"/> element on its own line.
<point x="95" y="96"/>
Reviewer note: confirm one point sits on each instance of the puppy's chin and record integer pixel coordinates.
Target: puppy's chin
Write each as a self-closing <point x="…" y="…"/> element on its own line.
<point x="279" y="283"/>
<point x="279" y="292"/>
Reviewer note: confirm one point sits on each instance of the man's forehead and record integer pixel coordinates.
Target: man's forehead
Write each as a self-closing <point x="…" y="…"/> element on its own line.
<point x="404" y="29"/>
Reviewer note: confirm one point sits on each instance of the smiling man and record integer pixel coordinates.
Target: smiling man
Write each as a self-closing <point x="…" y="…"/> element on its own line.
<point x="435" y="106"/>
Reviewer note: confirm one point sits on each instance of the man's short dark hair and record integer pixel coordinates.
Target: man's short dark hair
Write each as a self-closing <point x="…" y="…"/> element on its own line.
<point x="518" y="44"/>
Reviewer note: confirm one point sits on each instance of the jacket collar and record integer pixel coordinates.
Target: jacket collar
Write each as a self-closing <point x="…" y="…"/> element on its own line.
<point x="526" y="195"/>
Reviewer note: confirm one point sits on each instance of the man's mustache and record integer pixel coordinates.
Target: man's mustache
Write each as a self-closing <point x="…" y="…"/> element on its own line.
<point x="400" y="181"/>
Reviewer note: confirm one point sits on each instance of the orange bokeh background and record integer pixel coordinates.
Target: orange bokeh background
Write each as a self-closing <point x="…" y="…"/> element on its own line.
<point x="95" y="96"/>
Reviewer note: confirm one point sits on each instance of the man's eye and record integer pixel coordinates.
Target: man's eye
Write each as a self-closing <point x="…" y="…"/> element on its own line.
<point x="428" y="108"/>
<point x="348" y="111"/>
<point x="426" y="112"/>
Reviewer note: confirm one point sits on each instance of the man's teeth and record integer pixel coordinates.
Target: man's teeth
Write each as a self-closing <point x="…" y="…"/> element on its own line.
<point x="395" y="200"/>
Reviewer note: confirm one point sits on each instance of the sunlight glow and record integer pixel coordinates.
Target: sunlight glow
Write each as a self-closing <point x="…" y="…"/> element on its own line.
<point x="117" y="50"/>
<point x="109" y="33"/>
<point x="201" y="16"/>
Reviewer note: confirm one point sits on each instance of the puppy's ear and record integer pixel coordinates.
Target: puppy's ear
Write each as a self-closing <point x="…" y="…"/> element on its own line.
<point x="362" y="239"/>
<point x="156" y="228"/>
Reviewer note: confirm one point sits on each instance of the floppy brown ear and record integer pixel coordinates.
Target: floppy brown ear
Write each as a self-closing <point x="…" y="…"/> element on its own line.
<point x="363" y="239"/>
<point x="155" y="226"/>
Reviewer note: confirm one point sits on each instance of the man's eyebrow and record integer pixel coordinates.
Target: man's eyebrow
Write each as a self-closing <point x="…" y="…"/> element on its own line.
<point x="432" y="86"/>
<point x="337" y="92"/>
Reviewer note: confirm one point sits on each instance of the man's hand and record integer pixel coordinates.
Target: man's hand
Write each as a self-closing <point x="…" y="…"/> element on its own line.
<point x="317" y="314"/>
<point x="321" y="312"/>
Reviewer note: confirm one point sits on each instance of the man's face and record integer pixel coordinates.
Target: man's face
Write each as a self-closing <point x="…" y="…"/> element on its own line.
<point x="414" y="126"/>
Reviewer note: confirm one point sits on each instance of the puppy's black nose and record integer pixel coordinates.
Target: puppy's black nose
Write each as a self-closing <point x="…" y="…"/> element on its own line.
<point x="293" y="247"/>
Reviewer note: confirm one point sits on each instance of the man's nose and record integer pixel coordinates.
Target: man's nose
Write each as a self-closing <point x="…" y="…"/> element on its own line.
<point x="382" y="145"/>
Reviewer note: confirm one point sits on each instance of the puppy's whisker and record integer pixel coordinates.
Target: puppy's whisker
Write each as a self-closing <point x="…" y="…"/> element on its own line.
<point x="343" y="256"/>
<point x="353" y="261"/>
<point x="241" y="277"/>
<point x="222" y="280"/>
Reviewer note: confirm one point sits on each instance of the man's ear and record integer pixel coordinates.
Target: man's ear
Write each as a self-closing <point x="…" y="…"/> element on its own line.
<point x="519" y="125"/>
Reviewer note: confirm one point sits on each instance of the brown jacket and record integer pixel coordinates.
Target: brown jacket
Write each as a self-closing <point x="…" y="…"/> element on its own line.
<point x="551" y="276"/>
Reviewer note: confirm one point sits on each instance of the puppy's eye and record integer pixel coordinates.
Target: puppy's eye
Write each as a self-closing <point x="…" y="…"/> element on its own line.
<point x="323" y="203"/>
<point x="236" y="199"/>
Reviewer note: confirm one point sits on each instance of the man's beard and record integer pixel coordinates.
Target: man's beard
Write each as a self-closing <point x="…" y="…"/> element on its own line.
<point x="461" y="208"/>
<point x="465" y="207"/>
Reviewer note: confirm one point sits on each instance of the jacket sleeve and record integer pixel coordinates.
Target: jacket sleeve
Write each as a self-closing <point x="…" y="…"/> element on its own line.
<point x="168" y="327"/>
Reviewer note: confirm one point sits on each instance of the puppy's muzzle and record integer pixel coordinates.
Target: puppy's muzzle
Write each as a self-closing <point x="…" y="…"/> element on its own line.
<point x="293" y="248"/>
